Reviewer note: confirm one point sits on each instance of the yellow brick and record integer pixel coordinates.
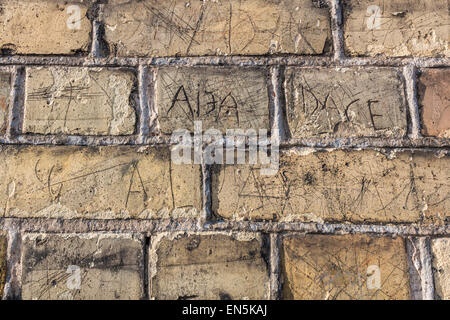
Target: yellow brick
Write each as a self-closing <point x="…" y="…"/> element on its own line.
<point x="350" y="267"/>
<point x="82" y="267"/>
<point x="189" y="28"/>
<point x="356" y="186"/>
<point x="44" y="27"/>
<point x="396" y="28"/>
<point x="221" y="98"/>
<point x="81" y="101"/>
<point x="103" y="182"/>
<point x="208" y="266"/>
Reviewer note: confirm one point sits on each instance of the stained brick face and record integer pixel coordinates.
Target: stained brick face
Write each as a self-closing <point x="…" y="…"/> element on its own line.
<point x="82" y="267"/>
<point x="209" y="266"/>
<point x="434" y="100"/>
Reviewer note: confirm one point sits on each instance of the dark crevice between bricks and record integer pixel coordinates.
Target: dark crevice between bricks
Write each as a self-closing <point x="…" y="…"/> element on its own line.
<point x="146" y="295"/>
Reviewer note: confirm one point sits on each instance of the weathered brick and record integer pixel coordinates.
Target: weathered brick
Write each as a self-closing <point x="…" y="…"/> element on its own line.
<point x="441" y="267"/>
<point x="350" y="267"/>
<point x="44" y="27"/>
<point x="222" y="98"/>
<point x="187" y="28"/>
<point x="96" y="182"/>
<point x="345" y="102"/>
<point x="396" y="27"/>
<point x="356" y="186"/>
<point x="85" y="101"/>
<point x="3" y="262"/>
<point x="434" y="100"/>
<point x="82" y="267"/>
<point x="208" y="266"/>
<point x="5" y="87"/>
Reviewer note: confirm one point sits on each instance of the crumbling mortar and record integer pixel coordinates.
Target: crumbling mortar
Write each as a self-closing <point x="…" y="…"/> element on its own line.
<point x="151" y="227"/>
<point x="240" y="61"/>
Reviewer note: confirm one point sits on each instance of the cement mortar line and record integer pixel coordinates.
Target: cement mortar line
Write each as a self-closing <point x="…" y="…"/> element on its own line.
<point x="428" y="292"/>
<point x="160" y="141"/>
<point x="336" y="30"/>
<point x="240" y="61"/>
<point x="409" y="72"/>
<point x="276" y="94"/>
<point x="415" y="282"/>
<point x="95" y="32"/>
<point x="275" y="285"/>
<point x="207" y="214"/>
<point x="146" y="271"/>
<point x="151" y="227"/>
<point x="17" y="96"/>
<point x="143" y="105"/>
<point x="12" y="289"/>
<point x="420" y="270"/>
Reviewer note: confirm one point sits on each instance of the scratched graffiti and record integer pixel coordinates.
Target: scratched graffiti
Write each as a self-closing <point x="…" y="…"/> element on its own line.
<point x="104" y="183"/>
<point x="345" y="267"/>
<point x="224" y="98"/>
<point x="362" y="186"/>
<point x="63" y="267"/>
<point x="79" y="101"/>
<point x="179" y="27"/>
<point x="396" y="27"/>
<point x="346" y="103"/>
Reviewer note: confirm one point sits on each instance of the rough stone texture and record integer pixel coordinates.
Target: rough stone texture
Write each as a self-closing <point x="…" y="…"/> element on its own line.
<point x="96" y="182"/>
<point x="441" y="267"/>
<point x="44" y="27"/>
<point x="189" y="28"/>
<point x="86" y="101"/>
<point x="396" y="27"/>
<point x="208" y="266"/>
<point x="5" y="87"/>
<point x="222" y="98"/>
<point x="3" y="265"/>
<point x="82" y="267"/>
<point x="345" y="102"/>
<point x="434" y="100"/>
<point x="356" y="186"/>
<point x="350" y="267"/>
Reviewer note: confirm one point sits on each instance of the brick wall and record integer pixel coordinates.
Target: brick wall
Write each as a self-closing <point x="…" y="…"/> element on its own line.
<point x="93" y="206"/>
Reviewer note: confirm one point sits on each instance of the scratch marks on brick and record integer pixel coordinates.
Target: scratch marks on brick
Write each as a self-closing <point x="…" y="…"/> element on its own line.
<point x="155" y="28"/>
<point x="396" y="28"/>
<point x="80" y="101"/>
<point x="345" y="103"/>
<point x="358" y="186"/>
